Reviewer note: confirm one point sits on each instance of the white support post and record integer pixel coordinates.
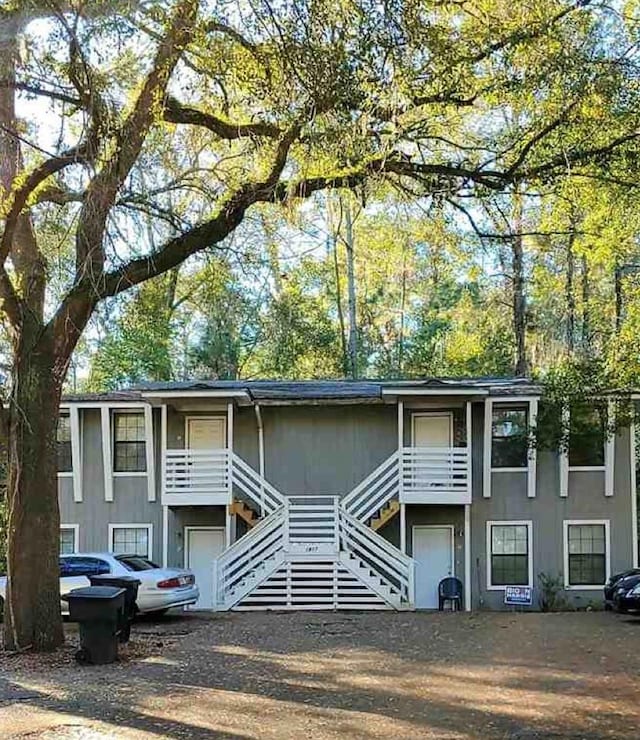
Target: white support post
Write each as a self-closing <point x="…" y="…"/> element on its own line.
<point x="486" y="448"/>
<point x="163" y="450"/>
<point x="229" y="523"/>
<point x="76" y="452"/>
<point x="165" y="536"/>
<point x="403" y="528"/>
<point x="610" y="450"/>
<point x="230" y="457"/>
<point x="400" y="448"/>
<point x="634" y="499"/>
<point x="107" y="465"/>
<point x="214" y="575"/>
<point x="150" y="453"/>
<point x="532" y="469"/>
<point x="469" y="433"/>
<point x="467" y="558"/>
<point x="564" y="454"/>
<point x="261" y="468"/>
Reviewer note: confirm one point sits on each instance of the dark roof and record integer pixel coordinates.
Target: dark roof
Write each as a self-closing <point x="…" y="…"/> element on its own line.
<point x="316" y="390"/>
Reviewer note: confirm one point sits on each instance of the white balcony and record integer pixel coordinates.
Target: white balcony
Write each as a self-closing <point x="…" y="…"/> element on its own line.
<point x="193" y="477"/>
<point x="435" y="475"/>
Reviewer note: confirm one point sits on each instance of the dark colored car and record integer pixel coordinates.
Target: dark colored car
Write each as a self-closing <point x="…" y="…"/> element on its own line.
<point x="619" y="583"/>
<point x="629" y="599"/>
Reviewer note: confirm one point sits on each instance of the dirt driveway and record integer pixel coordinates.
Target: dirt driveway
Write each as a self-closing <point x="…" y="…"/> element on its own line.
<point x="325" y="675"/>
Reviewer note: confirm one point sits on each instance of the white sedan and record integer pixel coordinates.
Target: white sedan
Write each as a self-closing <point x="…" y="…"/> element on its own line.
<point x="160" y="588"/>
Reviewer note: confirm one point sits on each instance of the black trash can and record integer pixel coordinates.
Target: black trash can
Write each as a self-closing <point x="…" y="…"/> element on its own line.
<point x="130" y="585"/>
<point x="97" y="609"/>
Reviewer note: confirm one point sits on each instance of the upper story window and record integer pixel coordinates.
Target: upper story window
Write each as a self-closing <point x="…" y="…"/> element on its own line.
<point x="509" y="437"/>
<point x="63" y="436"/>
<point x="587" y="436"/>
<point x="129" y="449"/>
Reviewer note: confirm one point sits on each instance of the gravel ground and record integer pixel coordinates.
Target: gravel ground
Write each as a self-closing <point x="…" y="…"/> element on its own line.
<point x="325" y="675"/>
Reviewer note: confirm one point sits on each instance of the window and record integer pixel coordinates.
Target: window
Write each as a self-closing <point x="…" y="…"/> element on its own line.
<point x="136" y="563"/>
<point x="509" y="560"/>
<point x="130" y="539"/>
<point x="81" y="566"/>
<point x="586" y="546"/>
<point x="129" y="454"/>
<point x="587" y="436"/>
<point x="509" y="437"/>
<point x="68" y="539"/>
<point x="63" y="436"/>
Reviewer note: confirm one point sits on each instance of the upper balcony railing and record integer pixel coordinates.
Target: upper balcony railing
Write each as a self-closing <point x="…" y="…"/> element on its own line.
<point x="435" y="475"/>
<point x="197" y="476"/>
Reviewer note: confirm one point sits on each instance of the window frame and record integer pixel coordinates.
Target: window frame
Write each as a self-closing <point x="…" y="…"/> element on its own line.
<point x="528" y="523"/>
<point x="76" y="538"/>
<point x="114" y="442"/>
<point x="65" y="473"/>
<point x="589" y="468"/>
<point x="510" y="407"/>
<point x="132" y="525"/>
<point x="565" y="550"/>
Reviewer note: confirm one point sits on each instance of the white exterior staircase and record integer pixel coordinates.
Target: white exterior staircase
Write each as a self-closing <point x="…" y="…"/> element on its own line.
<point x="314" y="551"/>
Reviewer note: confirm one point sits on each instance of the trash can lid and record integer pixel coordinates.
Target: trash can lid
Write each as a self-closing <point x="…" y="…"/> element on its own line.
<point x="95" y="592"/>
<point x="127" y="580"/>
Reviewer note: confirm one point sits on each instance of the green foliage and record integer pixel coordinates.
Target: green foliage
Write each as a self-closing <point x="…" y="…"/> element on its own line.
<point x="552" y="598"/>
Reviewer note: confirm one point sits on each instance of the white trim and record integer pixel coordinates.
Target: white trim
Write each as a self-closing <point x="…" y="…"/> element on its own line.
<point x="129" y="474"/>
<point x="486" y="449"/>
<point x="76" y="453"/>
<point x="609" y="451"/>
<point x="532" y="451"/>
<point x="135" y="525"/>
<point x="509" y="470"/>
<point x="150" y="453"/>
<point x="208" y="417"/>
<point x="514" y="400"/>
<point x="563" y="460"/>
<point x="229" y="426"/>
<point x="469" y="437"/>
<point x="400" y="446"/>
<point x="634" y="497"/>
<point x="229" y="432"/>
<point x="165" y="536"/>
<point x="565" y="550"/>
<point x="419" y="414"/>
<point x="163" y="451"/>
<point x="66" y="474"/>
<point x="509" y="523"/>
<point x="587" y="468"/>
<point x="433" y="392"/>
<point x="403" y="528"/>
<point x="107" y="461"/>
<point x="196" y="394"/>
<point x="76" y="536"/>
<point x="124" y="405"/>
<point x="467" y="557"/>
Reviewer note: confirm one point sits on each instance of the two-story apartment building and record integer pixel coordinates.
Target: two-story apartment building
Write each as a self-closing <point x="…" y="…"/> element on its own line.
<point x="347" y="494"/>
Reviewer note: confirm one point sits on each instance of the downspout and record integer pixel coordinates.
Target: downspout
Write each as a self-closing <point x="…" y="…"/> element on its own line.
<point x="260" y="453"/>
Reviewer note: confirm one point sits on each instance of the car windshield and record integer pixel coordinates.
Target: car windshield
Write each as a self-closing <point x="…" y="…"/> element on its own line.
<point x="136" y="562"/>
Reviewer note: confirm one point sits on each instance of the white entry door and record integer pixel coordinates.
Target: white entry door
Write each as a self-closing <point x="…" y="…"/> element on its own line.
<point x="206" y="433"/>
<point x="203" y="546"/>
<point x="432" y="430"/>
<point x="433" y="553"/>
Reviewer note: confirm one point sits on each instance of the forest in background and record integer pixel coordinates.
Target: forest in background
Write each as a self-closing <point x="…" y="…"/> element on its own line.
<point x="350" y="286"/>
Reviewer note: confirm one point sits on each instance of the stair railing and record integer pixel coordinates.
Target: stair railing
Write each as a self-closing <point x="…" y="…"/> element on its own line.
<point x="378" y="488"/>
<point x="259" y="491"/>
<point x="384" y="559"/>
<point x="246" y="555"/>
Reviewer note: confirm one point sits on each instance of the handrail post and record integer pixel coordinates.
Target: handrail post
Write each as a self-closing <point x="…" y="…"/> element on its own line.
<point x="336" y="522"/>
<point x="412" y="583"/>
<point x="214" y="575"/>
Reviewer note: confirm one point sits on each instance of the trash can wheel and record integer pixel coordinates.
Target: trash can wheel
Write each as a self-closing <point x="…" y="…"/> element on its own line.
<point x="82" y="656"/>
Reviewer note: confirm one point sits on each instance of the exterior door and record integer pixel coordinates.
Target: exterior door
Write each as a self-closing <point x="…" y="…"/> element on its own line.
<point x="433" y="553"/>
<point x="206" y="433"/>
<point x="432" y="430"/>
<point x="204" y="545"/>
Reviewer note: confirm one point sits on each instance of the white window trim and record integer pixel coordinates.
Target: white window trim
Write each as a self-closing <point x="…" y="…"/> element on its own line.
<point x="509" y="470"/>
<point x="145" y="412"/>
<point x="76" y="536"/>
<point x="136" y="525"/>
<point x="509" y="523"/>
<point x="565" y="549"/>
<point x="587" y="468"/>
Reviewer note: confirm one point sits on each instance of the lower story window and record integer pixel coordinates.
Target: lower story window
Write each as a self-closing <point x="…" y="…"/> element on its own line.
<point x="131" y="539"/>
<point x="509" y="554"/>
<point x="586" y="549"/>
<point x="68" y="540"/>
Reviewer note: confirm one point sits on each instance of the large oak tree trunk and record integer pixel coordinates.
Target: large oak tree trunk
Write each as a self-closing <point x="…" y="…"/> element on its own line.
<point x="32" y="611"/>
